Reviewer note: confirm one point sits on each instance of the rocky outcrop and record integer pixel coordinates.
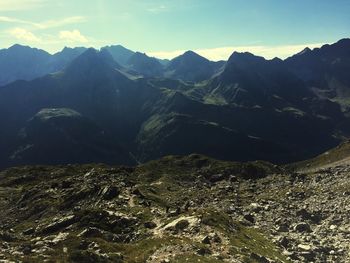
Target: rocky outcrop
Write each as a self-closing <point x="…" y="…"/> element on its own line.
<point x="178" y="209"/>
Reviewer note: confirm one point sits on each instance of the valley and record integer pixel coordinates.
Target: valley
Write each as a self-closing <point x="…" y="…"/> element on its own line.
<point x="247" y="108"/>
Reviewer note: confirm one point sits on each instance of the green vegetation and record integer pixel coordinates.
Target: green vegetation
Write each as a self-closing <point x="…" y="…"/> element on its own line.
<point x="337" y="154"/>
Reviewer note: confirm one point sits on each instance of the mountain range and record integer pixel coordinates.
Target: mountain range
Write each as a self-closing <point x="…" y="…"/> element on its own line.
<point x="123" y="107"/>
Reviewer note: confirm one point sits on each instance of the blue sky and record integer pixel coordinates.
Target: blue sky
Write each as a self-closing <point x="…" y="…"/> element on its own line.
<point x="166" y="28"/>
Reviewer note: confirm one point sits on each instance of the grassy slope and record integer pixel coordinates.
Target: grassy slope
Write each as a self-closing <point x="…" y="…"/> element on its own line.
<point x="337" y="154"/>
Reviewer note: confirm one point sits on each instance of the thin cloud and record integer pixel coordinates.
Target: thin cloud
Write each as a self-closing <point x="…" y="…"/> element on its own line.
<point x="157" y="9"/>
<point x="62" y="22"/>
<point x="23" y="35"/>
<point x="73" y="36"/>
<point x="14" y="5"/>
<point x="45" y="24"/>
<point x="223" y="53"/>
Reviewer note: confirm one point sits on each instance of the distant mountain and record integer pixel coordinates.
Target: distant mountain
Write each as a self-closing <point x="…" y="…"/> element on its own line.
<point x="147" y="66"/>
<point x="164" y="62"/>
<point x="26" y="63"/>
<point x="192" y="67"/>
<point x="120" y="53"/>
<point x="91" y="85"/>
<point x="61" y="59"/>
<point x="325" y="70"/>
<point x="253" y="81"/>
<point x="247" y="108"/>
<point x="22" y="62"/>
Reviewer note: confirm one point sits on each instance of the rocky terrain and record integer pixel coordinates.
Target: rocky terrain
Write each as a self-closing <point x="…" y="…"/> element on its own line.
<point x="176" y="209"/>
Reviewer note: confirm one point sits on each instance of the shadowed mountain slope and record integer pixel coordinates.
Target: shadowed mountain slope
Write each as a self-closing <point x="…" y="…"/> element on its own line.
<point x="251" y="108"/>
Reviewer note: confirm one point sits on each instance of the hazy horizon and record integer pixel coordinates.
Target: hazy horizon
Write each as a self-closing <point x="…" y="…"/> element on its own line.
<point x="165" y="29"/>
<point x="211" y="54"/>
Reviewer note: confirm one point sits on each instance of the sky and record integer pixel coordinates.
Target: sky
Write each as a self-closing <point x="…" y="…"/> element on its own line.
<point x="168" y="28"/>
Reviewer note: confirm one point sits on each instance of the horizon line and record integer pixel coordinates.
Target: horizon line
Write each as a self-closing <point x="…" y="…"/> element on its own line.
<point x="268" y="52"/>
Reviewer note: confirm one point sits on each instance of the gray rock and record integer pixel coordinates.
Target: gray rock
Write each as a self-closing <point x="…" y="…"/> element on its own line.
<point x="59" y="224"/>
<point x="259" y="258"/>
<point x="283" y="242"/>
<point x="182" y="225"/>
<point x="250" y="218"/>
<point x="150" y="225"/>
<point x="109" y="192"/>
<point x="302" y="227"/>
<point x="206" y="240"/>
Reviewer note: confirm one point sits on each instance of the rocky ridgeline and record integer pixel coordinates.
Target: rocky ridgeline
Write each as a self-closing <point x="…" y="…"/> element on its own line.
<point x="177" y="209"/>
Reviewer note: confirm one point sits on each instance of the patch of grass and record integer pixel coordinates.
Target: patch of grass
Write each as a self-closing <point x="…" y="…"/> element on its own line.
<point x="140" y="251"/>
<point x="186" y="258"/>
<point x="244" y="240"/>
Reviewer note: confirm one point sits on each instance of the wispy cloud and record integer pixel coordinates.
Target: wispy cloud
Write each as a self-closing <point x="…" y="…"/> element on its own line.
<point x="62" y="22"/>
<point x="14" y="5"/>
<point x="73" y="36"/>
<point x="157" y="9"/>
<point x="45" y="24"/>
<point x="223" y="53"/>
<point x="23" y="35"/>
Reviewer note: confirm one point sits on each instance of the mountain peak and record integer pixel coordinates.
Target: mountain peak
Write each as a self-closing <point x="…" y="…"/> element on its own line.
<point x="25" y="49"/>
<point x="305" y="51"/>
<point x="190" y="58"/>
<point x="191" y="67"/>
<point x="92" y="61"/>
<point x="119" y="53"/>
<point x="18" y="46"/>
<point x="244" y="58"/>
<point x="192" y="55"/>
<point x="148" y="66"/>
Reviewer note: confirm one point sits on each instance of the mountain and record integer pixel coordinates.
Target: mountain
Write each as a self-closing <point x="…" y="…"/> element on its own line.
<point x="55" y="136"/>
<point x="25" y="63"/>
<point x="247" y="108"/>
<point x="192" y="67"/>
<point x="120" y="54"/>
<point x="91" y="85"/>
<point x="61" y="59"/>
<point x="251" y="80"/>
<point x="22" y="62"/>
<point x="325" y="70"/>
<point x="147" y="66"/>
<point x="176" y="209"/>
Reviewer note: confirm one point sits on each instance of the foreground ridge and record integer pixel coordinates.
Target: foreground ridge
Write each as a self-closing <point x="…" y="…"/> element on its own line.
<point x="176" y="209"/>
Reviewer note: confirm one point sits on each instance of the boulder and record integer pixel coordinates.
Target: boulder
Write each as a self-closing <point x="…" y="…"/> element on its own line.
<point x="109" y="192"/>
<point x="59" y="224"/>
<point x="302" y="227"/>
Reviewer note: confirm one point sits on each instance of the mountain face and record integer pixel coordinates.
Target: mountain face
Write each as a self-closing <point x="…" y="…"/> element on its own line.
<point x="91" y="85"/>
<point x="249" y="108"/>
<point x="119" y="53"/>
<point x="147" y="66"/>
<point x="56" y="136"/>
<point x="249" y="80"/>
<point x="20" y="62"/>
<point x="61" y="59"/>
<point x="25" y="63"/>
<point x="325" y="70"/>
<point x="191" y="67"/>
